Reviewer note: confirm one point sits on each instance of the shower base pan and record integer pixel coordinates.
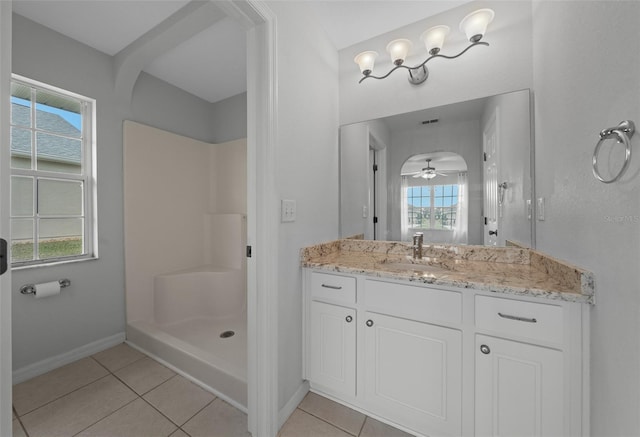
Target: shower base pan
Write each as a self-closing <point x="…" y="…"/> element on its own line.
<point x="210" y="351"/>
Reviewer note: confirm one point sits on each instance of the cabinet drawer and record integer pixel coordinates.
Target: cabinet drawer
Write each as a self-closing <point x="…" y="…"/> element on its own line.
<point x="536" y="321"/>
<point x="412" y="302"/>
<point x="333" y="287"/>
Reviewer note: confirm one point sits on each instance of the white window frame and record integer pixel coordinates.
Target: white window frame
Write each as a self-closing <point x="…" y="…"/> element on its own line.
<point x="432" y="207"/>
<point x="87" y="176"/>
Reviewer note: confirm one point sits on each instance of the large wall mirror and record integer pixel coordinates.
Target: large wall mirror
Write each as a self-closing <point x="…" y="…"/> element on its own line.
<point x="460" y="173"/>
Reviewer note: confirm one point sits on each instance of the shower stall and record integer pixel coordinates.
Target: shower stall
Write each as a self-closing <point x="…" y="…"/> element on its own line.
<point x="185" y="233"/>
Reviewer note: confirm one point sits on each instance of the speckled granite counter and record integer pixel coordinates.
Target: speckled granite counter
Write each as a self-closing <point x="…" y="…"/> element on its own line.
<point x="509" y="270"/>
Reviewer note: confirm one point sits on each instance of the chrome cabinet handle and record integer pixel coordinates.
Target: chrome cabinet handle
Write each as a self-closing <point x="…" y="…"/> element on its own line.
<point x="333" y="287"/>
<point x="485" y="349"/>
<point x="518" y="318"/>
<point x="369" y="323"/>
<point x="349" y="319"/>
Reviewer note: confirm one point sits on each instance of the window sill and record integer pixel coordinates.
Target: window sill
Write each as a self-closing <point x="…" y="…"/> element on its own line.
<point x="53" y="263"/>
<point x="430" y="230"/>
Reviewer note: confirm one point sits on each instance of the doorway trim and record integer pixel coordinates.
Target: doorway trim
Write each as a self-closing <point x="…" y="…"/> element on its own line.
<point x="5" y="279"/>
<point x="262" y="213"/>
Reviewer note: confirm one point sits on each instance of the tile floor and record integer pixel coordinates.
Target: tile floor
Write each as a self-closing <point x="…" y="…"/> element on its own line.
<point x="121" y="392"/>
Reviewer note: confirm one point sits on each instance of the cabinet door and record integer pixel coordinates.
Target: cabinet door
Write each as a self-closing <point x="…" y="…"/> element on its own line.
<point x="332" y="355"/>
<point x="413" y="373"/>
<point x="519" y="389"/>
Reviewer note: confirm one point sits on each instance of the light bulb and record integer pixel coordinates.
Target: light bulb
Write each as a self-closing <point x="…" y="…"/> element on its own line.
<point x="475" y="24"/>
<point x="433" y="38"/>
<point x="399" y="49"/>
<point x="365" y="61"/>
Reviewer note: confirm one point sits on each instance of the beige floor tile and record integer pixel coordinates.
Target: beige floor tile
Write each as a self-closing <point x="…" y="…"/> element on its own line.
<point x="375" y="428"/>
<point x="338" y="415"/>
<point x="179" y="433"/>
<point x="179" y="399"/>
<point x="38" y="391"/>
<point x="17" y="429"/>
<point x="79" y="409"/>
<point x="218" y="419"/>
<point x="118" y="356"/>
<point x="137" y="419"/>
<point x="301" y="424"/>
<point x="144" y="375"/>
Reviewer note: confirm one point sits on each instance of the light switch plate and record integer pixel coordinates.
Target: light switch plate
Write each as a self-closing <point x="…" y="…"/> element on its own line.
<point x="288" y="211"/>
<point x="540" y="208"/>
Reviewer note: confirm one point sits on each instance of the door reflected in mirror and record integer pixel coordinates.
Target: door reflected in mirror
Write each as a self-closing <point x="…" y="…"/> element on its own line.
<point x="460" y="173"/>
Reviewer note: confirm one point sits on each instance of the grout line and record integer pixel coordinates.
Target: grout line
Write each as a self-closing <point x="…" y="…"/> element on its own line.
<point x="152" y="388"/>
<point x="141" y="396"/>
<point x="24" y="429"/>
<point x="363" y="422"/>
<point x="118" y="369"/>
<point x="138" y="396"/>
<point x="62" y="396"/>
<point x="167" y="417"/>
<point x="180" y="428"/>
<point x="329" y="423"/>
<point x="161" y="413"/>
<point x="102" y="418"/>
<point x="99" y="364"/>
<point x="198" y="412"/>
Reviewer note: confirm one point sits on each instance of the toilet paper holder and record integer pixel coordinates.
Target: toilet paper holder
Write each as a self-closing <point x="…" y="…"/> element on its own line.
<point x="31" y="288"/>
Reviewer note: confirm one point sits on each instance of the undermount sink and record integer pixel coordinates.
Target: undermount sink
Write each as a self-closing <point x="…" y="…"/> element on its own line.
<point x="406" y="265"/>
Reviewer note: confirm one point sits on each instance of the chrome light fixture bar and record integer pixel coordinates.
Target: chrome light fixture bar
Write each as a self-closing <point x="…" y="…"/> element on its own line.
<point x="473" y="25"/>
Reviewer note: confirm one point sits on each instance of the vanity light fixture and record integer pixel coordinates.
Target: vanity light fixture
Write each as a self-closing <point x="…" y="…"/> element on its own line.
<point x="473" y="25"/>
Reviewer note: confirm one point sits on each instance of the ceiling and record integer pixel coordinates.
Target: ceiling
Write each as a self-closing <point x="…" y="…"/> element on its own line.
<point x="452" y="113"/>
<point x="447" y="162"/>
<point x="212" y="64"/>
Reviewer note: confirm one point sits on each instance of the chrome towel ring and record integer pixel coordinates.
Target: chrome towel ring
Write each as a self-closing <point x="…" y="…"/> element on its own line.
<point x="623" y="133"/>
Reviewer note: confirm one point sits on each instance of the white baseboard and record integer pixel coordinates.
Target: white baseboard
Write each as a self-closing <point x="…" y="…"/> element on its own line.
<point x="44" y="366"/>
<point x="293" y="403"/>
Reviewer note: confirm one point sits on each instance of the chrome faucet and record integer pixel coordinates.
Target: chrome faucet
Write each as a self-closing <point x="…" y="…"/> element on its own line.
<point x="417" y="245"/>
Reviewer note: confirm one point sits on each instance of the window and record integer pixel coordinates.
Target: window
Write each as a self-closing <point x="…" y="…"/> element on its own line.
<point x="432" y="206"/>
<point x="52" y="175"/>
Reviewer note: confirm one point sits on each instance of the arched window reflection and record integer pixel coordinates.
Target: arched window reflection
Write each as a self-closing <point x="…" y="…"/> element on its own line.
<point x="435" y="197"/>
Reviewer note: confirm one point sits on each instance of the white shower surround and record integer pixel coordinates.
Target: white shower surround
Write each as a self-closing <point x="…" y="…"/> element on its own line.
<point x="192" y="308"/>
<point x="198" y="292"/>
<point x="185" y="230"/>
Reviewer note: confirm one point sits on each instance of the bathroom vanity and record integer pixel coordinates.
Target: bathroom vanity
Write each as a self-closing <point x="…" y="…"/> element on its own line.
<point x="465" y="341"/>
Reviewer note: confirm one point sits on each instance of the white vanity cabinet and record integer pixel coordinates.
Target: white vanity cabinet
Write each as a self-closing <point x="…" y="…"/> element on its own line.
<point x="412" y="373"/>
<point x="332" y="333"/>
<point x="412" y="359"/>
<point x="332" y="359"/>
<point x="519" y="389"/>
<point x="445" y="361"/>
<point x="519" y="385"/>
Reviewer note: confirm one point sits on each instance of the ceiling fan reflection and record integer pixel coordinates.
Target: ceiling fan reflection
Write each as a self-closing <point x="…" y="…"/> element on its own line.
<point x="427" y="172"/>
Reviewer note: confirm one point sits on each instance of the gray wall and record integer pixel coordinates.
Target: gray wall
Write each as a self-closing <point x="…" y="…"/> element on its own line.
<point x="158" y="104"/>
<point x="307" y="161"/>
<point x="229" y="119"/>
<point x="593" y="225"/>
<point x="93" y="307"/>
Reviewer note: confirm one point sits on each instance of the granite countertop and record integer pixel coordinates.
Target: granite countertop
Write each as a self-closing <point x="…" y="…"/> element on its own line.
<point x="510" y="270"/>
